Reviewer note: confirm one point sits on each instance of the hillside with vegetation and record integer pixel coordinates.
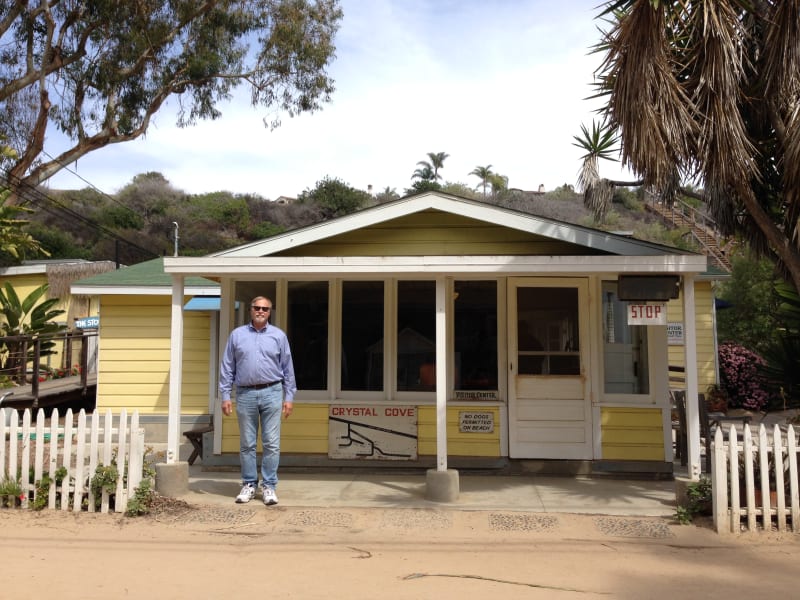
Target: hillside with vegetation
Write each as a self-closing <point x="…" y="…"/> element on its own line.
<point x="140" y="221"/>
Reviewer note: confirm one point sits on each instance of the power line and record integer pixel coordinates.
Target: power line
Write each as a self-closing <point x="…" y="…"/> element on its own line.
<point x="34" y="195"/>
<point x="93" y="186"/>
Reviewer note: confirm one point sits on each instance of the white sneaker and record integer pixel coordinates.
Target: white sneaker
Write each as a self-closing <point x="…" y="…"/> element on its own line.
<point x="247" y="493"/>
<point x="269" y="495"/>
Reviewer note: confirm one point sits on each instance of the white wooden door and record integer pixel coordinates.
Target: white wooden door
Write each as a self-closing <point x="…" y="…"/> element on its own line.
<point x="549" y="403"/>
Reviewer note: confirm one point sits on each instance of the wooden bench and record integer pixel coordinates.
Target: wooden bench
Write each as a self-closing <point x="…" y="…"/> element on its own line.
<point x="681" y="434"/>
<point x="195" y="436"/>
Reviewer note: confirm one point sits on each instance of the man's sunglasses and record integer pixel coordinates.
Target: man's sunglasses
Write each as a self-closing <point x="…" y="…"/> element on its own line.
<point x="261" y="308"/>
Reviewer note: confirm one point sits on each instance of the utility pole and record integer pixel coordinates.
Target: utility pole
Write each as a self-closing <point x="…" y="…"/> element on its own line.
<point x="176" y="237"/>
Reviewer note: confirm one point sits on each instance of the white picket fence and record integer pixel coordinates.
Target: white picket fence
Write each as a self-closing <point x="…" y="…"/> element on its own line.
<point x="745" y="476"/>
<point x="79" y="444"/>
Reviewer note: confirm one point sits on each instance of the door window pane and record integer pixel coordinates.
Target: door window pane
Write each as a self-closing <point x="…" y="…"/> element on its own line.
<point x="475" y="335"/>
<point x="547" y="331"/>
<point x="308" y="333"/>
<point x="362" y="335"/>
<point x="416" y="335"/>
<point x="625" y="347"/>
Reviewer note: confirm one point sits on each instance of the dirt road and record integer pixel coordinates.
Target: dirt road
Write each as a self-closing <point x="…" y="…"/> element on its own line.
<point x="252" y="551"/>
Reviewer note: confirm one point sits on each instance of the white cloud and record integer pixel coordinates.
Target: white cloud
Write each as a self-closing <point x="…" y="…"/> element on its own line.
<point x="498" y="83"/>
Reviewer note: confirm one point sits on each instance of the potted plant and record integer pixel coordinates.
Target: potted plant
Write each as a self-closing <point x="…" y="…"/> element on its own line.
<point x="11" y="493"/>
<point x="757" y="475"/>
<point x="716" y="399"/>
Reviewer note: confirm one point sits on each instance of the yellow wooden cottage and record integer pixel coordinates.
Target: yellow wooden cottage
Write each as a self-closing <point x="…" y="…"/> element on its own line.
<point x="431" y="331"/>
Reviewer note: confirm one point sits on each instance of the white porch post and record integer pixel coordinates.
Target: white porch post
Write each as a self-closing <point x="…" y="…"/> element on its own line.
<point x="441" y="377"/>
<point x="172" y="476"/>
<point x="690" y="364"/>
<point x="441" y="483"/>
<point x="175" y="371"/>
<point x="227" y="310"/>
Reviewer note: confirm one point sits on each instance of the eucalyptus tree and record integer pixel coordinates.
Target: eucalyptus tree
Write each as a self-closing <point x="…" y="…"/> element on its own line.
<point x="709" y="92"/>
<point x="97" y="71"/>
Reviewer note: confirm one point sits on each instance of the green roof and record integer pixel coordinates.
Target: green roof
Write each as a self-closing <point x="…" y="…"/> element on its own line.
<point x="145" y="274"/>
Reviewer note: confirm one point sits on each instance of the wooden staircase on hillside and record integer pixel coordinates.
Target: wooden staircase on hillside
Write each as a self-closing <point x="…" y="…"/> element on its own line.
<point x="702" y="227"/>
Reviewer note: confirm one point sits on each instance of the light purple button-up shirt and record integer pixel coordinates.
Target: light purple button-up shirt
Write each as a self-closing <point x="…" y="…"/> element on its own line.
<point x="254" y="357"/>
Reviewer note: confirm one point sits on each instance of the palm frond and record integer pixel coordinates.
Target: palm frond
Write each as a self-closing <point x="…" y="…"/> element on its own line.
<point x="647" y="102"/>
<point x="600" y="142"/>
<point x="724" y="153"/>
<point x="597" y="198"/>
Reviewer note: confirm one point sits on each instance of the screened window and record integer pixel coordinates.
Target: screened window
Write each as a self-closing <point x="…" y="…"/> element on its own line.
<point x="625" y="347"/>
<point x="416" y="335"/>
<point x="475" y="312"/>
<point x="362" y="335"/>
<point x="308" y="333"/>
<point x="547" y="331"/>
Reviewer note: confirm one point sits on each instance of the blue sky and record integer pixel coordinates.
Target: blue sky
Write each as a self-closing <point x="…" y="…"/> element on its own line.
<point x="502" y="83"/>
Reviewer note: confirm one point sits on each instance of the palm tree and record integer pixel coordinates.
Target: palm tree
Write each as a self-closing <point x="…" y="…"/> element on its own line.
<point x="707" y="92"/>
<point x="424" y="172"/>
<point x="498" y="183"/>
<point x="437" y="162"/>
<point x="484" y="173"/>
<point x="432" y="168"/>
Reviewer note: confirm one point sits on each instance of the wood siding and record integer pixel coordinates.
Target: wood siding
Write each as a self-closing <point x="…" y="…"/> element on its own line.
<point x="135" y="352"/>
<point x="306" y="432"/>
<point x="632" y="433"/>
<point x="458" y="444"/>
<point x="436" y="233"/>
<point x="706" y="345"/>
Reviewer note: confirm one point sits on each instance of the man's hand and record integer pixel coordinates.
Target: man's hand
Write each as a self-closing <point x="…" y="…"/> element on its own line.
<point x="227" y="408"/>
<point x="287" y="409"/>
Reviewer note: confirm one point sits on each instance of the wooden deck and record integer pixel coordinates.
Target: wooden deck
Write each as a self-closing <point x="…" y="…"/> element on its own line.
<point x="54" y="393"/>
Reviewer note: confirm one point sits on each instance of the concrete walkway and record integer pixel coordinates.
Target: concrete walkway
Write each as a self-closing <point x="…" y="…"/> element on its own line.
<point x="530" y="493"/>
<point x="525" y="493"/>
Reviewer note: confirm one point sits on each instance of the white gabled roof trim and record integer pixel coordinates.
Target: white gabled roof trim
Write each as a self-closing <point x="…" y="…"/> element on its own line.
<point x="565" y="232"/>
<point x="384" y="265"/>
<point x="139" y="290"/>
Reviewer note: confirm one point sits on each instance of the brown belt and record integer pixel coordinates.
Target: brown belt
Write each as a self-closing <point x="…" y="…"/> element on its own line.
<point x="259" y="386"/>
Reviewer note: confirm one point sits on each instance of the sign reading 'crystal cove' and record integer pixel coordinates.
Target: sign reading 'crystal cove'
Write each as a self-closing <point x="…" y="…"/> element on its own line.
<point x="372" y="432"/>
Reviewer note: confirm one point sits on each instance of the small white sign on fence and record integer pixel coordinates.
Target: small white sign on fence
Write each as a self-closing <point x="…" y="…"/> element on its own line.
<point x="70" y="453"/>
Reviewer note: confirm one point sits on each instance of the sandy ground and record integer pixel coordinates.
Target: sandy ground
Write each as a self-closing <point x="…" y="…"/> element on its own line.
<point x="204" y="551"/>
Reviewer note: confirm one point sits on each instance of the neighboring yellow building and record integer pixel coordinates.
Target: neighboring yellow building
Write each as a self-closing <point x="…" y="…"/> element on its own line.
<point x="134" y="345"/>
<point x="58" y="275"/>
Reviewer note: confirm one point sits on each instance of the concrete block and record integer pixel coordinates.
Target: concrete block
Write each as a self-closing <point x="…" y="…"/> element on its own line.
<point x="681" y="491"/>
<point x="442" y="486"/>
<point x="172" y="479"/>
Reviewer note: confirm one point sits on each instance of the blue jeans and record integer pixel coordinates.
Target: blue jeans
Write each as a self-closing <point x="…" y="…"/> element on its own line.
<point x="254" y="408"/>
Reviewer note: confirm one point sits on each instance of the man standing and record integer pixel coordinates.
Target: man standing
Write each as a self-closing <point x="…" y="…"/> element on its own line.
<point x="258" y="361"/>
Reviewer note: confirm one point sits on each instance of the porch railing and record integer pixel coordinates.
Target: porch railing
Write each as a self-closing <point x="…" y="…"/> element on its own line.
<point x="24" y="358"/>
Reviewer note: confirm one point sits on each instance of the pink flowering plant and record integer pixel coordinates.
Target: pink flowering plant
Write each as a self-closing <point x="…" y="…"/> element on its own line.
<point x="740" y="374"/>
